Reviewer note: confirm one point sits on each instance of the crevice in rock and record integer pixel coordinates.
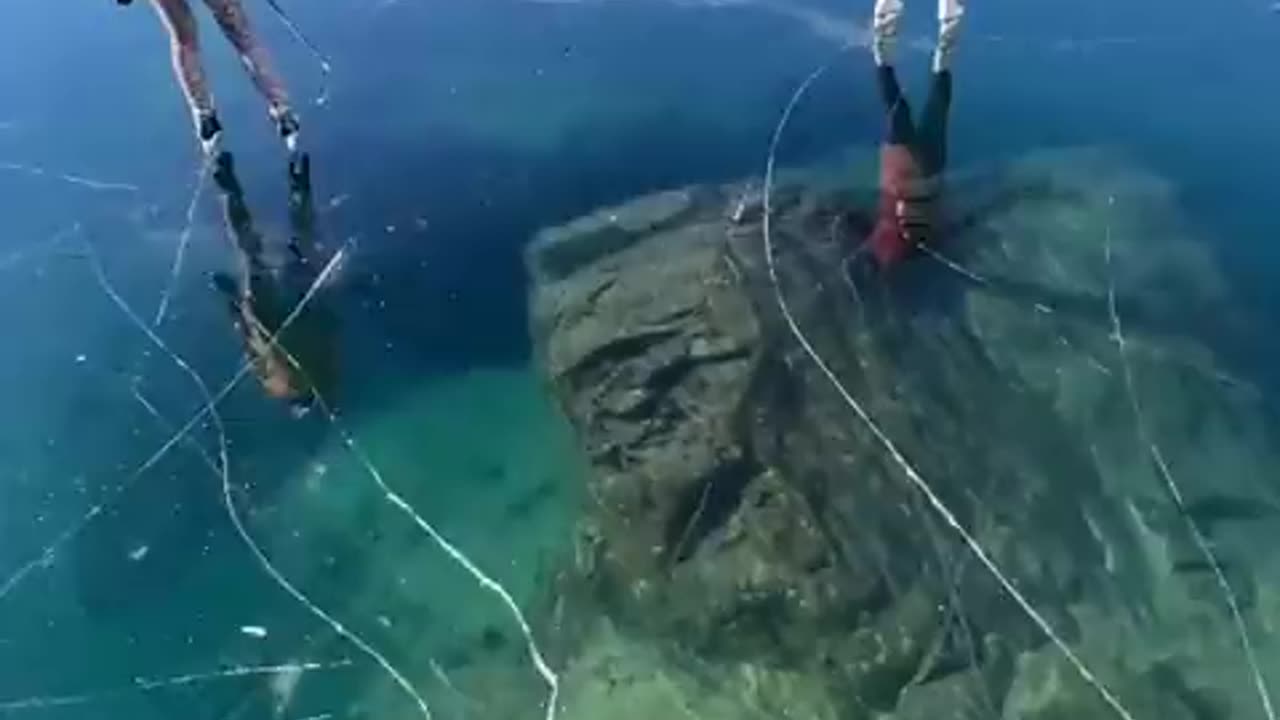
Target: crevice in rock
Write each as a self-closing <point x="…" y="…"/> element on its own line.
<point x="705" y="507"/>
<point x="618" y="350"/>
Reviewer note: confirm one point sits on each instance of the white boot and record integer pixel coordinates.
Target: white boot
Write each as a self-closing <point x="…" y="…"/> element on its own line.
<point x="950" y="13"/>
<point x="884" y="30"/>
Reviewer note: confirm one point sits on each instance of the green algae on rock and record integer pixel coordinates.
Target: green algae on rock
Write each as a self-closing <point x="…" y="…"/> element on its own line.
<point x="740" y="514"/>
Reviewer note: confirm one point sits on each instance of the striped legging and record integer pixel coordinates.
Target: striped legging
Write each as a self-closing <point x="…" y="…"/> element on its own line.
<point x="185" y="43"/>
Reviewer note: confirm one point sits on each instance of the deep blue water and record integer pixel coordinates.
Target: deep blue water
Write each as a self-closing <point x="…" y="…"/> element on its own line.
<point x="454" y="131"/>
<point x="489" y="119"/>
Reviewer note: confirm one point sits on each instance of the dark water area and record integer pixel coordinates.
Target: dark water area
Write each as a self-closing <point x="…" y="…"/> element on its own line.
<point x="430" y="102"/>
<point x="451" y="135"/>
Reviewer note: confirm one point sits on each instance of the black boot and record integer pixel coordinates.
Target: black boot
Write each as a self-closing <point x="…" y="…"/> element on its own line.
<point x="209" y="130"/>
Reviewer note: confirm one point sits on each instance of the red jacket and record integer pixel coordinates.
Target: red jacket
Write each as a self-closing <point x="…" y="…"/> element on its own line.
<point x="908" y="206"/>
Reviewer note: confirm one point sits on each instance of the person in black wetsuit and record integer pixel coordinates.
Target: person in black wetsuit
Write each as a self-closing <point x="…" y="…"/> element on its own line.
<point x="913" y="156"/>
<point x="266" y="293"/>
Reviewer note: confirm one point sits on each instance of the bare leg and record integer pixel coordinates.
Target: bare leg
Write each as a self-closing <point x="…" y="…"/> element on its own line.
<point x="231" y="17"/>
<point x="185" y="47"/>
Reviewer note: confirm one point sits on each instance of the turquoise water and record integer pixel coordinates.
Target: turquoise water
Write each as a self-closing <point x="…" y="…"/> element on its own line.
<point x="452" y="133"/>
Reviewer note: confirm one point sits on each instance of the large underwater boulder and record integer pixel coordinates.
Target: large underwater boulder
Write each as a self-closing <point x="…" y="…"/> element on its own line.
<point x="738" y="508"/>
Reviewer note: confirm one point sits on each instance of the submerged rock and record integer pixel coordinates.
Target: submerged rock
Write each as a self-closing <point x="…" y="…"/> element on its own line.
<point x="739" y="509"/>
<point x="1049" y="689"/>
<point x="621" y="678"/>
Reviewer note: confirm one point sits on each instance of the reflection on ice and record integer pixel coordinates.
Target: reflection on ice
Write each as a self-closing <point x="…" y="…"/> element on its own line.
<point x="50" y="552"/>
<point x="1023" y="474"/>
<point x="223" y="463"/>
<point x="943" y="509"/>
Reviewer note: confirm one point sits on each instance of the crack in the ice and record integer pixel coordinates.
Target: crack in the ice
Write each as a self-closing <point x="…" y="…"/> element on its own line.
<point x="48" y="554"/>
<point x="145" y="684"/>
<point x="1175" y="491"/>
<point x="941" y="508"/>
<point x="233" y="514"/>
<point x="80" y="180"/>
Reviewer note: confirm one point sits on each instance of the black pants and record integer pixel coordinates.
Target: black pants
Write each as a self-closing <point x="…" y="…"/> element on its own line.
<point x="272" y="290"/>
<point x="266" y="295"/>
<point x="928" y="141"/>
